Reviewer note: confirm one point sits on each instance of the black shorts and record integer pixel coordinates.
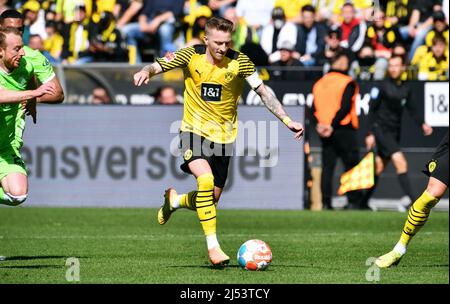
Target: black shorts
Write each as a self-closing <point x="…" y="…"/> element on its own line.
<point x="437" y="167"/>
<point x="217" y="155"/>
<point x="387" y="141"/>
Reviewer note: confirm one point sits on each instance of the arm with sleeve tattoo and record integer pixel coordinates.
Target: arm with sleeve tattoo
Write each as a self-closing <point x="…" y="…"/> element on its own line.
<point x="273" y="104"/>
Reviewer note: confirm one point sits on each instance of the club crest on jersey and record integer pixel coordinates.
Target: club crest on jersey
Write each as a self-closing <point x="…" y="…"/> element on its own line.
<point x="169" y="57"/>
<point x="229" y="76"/>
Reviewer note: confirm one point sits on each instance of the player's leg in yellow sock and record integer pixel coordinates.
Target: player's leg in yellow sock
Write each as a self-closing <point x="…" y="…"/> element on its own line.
<point x="417" y="216"/>
<point x="204" y="203"/>
<point x="187" y="200"/>
<point x="206" y="211"/>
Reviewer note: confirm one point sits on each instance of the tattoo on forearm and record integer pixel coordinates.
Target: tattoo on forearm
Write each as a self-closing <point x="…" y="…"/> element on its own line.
<point x="273" y="104"/>
<point x="150" y="69"/>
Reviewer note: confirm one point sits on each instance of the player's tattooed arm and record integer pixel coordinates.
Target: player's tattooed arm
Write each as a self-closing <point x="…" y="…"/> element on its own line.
<point x="271" y="102"/>
<point x="274" y="105"/>
<point x="147" y="72"/>
<point x="153" y="69"/>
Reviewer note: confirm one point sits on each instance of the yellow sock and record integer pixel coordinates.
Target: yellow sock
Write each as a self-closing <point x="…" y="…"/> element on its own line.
<point x="187" y="200"/>
<point x="204" y="203"/>
<point x="417" y="216"/>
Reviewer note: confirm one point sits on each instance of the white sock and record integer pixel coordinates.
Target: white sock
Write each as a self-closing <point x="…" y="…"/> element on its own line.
<point x="212" y="241"/>
<point x="176" y="202"/>
<point x="400" y="248"/>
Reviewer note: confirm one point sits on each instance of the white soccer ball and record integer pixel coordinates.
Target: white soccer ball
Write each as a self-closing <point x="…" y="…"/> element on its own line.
<point x="254" y="255"/>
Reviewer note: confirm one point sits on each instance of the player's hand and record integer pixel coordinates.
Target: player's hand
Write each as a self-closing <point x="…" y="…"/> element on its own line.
<point x="297" y="128"/>
<point x="370" y="142"/>
<point x="427" y="129"/>
<point x="30" y="109"/>
<point x="140" y="78"/>
<point x="47" y="88"/>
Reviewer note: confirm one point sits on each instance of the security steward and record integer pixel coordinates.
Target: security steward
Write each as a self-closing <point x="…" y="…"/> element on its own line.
<point x="334" y="114"/>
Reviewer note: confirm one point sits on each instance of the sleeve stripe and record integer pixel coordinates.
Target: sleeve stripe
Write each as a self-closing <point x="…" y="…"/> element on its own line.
<point x="182" y="58"/>
<point x="246" y="66"/>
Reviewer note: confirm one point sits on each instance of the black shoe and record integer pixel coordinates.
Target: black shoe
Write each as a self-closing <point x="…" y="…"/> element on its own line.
<point x="327" y="207"/>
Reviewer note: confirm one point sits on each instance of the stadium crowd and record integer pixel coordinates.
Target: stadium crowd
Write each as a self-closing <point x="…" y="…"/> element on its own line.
<point x="279" y="33"/>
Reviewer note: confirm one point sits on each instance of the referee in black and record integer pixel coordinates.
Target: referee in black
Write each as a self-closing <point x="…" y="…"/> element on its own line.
<point x="388" y="101"/>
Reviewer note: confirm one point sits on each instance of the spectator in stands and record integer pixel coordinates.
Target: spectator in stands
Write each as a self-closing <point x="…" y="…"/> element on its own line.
<point x="310" y="37"/>
<point x="382" y="36"/>
<point x="364" y="67"/>
<point x="397" y="11"/>
<point x="363" y="10"/>
<point x="353" y="30"/>
<point x="49" y="11"/>
<point x="100" y="96"/>
<point x="256" y="14"/>
<point x="36" y="43"/>
<point x="219" y="7"/>
<point x="271" y="37"/>
<point x="76" y="38"/>
<point x="242" y="33"/>
<point x="34" y="18"/>
<point x="129" y="11"/>
<point x="157" y="18"/>
<point x="434" y="65"/>
<point x="65" y="10"/>
<point x="325" y="12"/>
<point x="292" y="9"/>
<point x="440" y="27"/>
<point x="54" y="42"/>
<point x="284" y="69"/>
<point x="420" y="22"/>
<point x="105" y="41"/>
<point x="332" y="46"/>
<point x="166" y="95"/>
<point x="195" y="22"/>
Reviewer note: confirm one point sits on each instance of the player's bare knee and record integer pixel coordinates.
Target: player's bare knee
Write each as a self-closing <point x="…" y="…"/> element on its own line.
<point x="436" y="188"/>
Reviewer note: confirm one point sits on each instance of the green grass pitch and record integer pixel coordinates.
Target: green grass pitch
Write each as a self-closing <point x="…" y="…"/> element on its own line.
<point x="126" y="245"/>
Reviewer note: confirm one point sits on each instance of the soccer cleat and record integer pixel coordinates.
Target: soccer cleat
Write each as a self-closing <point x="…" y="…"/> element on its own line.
<point x="166" y="209"/>
<point x="218" y="257"/>
<point x="389" y="259"/>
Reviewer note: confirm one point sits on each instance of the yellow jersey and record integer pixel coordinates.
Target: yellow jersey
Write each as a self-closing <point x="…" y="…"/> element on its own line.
<point x="211" y="92"/>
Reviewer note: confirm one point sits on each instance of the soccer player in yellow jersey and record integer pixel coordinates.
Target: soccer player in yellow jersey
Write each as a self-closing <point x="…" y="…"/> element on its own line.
<point x="214" y="76"/>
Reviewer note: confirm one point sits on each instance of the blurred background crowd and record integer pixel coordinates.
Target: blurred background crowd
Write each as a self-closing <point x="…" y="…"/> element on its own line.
<point x="277" y="33"/>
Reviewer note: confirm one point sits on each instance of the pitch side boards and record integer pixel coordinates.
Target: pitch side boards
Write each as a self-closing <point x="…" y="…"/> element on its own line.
<point x="128" y="155"/>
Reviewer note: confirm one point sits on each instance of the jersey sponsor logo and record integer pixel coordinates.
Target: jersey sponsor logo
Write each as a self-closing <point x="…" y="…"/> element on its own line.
<point x="169" y="57"/>
<point x="46" y="62"/>
<point x="432" y="166"/>
<point x="211" y="92"/>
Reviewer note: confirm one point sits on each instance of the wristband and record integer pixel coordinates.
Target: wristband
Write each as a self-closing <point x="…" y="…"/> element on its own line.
<point x="287" y="120"/>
